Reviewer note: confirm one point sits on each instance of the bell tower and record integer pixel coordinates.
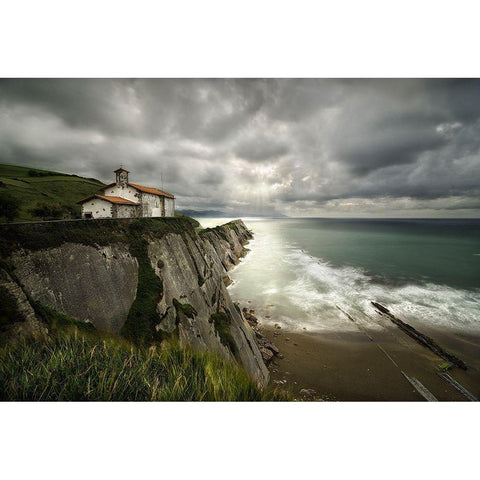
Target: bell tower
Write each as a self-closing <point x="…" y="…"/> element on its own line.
<point x="122" y="176"/>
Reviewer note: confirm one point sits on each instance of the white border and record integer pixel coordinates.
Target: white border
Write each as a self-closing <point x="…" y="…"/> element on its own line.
<point x="239" y="440"/>
<point x="239" y="39"/>
<point x="252" y="38"/>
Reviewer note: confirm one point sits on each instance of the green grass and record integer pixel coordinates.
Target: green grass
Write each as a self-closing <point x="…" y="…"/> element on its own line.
<point x="33" y="186"/>
<point x="74" y="367"/>
<point x="220" y="230"/>
<point x="195" y="223"/>
<point x="88" y="232"/>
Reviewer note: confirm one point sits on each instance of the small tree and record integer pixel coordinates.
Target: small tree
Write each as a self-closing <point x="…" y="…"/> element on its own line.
<point x="73" y="211"/>
<point x="9" y="206"/>
<point x="47" y="211"/>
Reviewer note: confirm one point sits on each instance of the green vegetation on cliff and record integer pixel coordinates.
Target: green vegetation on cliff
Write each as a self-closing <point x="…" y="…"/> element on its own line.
<point x="140" y="324"/>
<point x="74" y="367"/>
<point x="58" y="322"/>
<point x="219" y="229"/>
<point x="185" y="308"/>
<point x="9" y="313"/>
<point x="221" y="322"/>
<point x="44" y="194"/>
<point x="103" y="232"/>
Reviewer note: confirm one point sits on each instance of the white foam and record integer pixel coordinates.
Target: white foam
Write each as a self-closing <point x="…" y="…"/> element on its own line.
<point x="321" y="286"/>
<point x="306" y="291"/>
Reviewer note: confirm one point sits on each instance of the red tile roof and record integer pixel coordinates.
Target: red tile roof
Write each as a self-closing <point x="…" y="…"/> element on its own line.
<point x="118" y="200"/>
<point x="153" y="191"/>
<point x="141" y="188"/>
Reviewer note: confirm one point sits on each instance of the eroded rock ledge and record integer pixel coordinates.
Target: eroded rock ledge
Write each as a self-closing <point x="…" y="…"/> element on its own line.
<point x="267" y="348"/>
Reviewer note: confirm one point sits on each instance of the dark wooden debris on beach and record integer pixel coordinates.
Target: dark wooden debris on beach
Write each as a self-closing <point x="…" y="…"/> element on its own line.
<point x="420" y="337"/>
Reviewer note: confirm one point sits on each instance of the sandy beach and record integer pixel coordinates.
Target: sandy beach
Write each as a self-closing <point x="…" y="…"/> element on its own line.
<point x="352" y="367"/>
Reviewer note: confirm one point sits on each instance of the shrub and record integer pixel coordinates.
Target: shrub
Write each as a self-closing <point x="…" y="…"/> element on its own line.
<point x="9" y="206"/>
<point x="45" y="173"/>
<point x="8" y="308"/>
<point x="59" y="322"/>
<point x="48" y="211"/>
<point x="221" y="322"/>
<point x="186" y="308"/>
<point x="38" y="173"/>
<point x="194" y="223"/>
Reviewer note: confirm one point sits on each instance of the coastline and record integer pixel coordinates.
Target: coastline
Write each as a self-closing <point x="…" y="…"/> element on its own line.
<point x="359" y="363"/>
<point x="349" y="366"/>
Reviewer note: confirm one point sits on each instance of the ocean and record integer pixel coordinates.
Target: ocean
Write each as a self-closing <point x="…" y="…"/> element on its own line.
<point x="299" y="270"/>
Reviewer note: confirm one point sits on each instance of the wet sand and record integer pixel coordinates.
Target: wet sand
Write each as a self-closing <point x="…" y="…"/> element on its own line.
<point x="349" y="366"/>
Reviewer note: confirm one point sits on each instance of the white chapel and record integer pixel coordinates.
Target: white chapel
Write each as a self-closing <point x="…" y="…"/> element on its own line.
<point x="123" y="199"/>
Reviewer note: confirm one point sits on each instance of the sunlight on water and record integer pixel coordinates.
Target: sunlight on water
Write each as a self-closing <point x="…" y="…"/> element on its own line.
<point x="285" y="283"/>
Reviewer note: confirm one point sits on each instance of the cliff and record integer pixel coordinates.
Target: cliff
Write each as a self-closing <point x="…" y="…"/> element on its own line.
<point x="148" y="279"/>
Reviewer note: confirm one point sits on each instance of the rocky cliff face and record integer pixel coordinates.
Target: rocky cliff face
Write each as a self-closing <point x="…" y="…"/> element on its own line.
<point x="184" y="272"/>
<point x="17" y="313"/>
<point x="195" y="298"/>
<point x="92" y="284"/>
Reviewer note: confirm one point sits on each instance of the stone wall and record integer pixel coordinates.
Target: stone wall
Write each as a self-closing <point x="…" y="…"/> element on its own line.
<point x="151" y="205"/>
<point x="98" y="208"/>
<point x="156" y="206"/>
<point x="125" y="211"/>
<point x="169" y="207"/>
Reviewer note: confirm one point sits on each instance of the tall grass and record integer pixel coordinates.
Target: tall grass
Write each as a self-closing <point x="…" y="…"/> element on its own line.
<point x="82" y="368"/>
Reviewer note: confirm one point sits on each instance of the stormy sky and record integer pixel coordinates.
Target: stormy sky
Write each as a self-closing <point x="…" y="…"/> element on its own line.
<point x="340" y="148"/>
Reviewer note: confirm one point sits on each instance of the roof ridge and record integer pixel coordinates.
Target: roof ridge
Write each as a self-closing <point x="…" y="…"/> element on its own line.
<point x="152" y="190"/>
<point x="111" y="199"/>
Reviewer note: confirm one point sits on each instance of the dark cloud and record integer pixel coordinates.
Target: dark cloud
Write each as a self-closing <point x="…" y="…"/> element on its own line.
<point x="213" y="175"/>
<point x="384" y="145"/>
<point x="259" y="148"/>
<point x="294" y="146"/>
<point x="94" y="103"/>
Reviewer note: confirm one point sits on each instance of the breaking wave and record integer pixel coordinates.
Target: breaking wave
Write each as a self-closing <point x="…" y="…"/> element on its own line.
<point x="319" y="287"/>
<point x="287" y="285"/>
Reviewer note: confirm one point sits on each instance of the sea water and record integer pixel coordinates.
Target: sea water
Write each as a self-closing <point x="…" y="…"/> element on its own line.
<point x="299" y="270"/>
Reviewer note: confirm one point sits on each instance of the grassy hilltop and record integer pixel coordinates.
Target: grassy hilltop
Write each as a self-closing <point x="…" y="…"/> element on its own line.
<point x="34" y="188"/>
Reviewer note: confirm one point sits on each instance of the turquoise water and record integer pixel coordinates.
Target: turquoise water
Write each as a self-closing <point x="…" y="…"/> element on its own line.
<point x="400" y="251"/>
<point x="425" y="270"/>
